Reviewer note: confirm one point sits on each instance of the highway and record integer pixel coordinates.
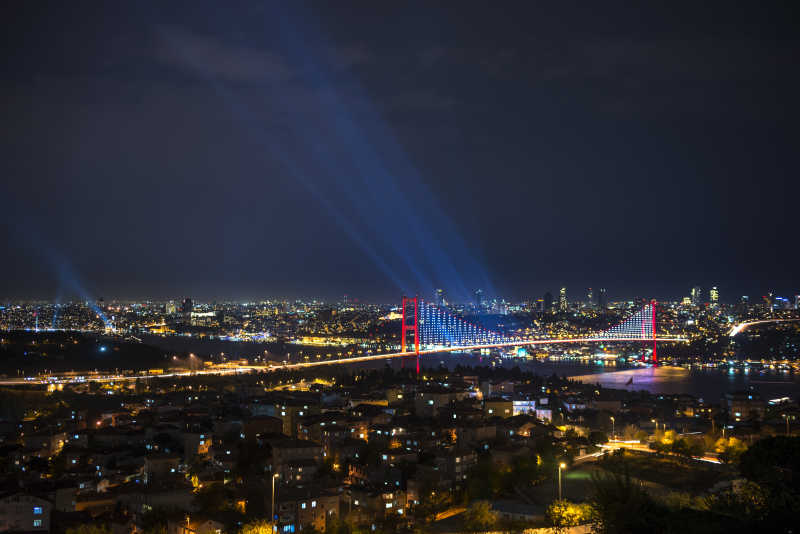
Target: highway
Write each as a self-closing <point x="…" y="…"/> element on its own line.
<point x="641" y="447"/>
<point x="741" y="326"/>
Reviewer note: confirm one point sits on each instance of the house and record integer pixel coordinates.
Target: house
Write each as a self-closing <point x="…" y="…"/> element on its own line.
<point x="303" y="508"/>
<point x="429" y="401"/>
<point x="160" y="465"/>
<point x="498" y="407"/>
<point x="254" y="426"/>
<point x="743" y="405"/>
<point x="25" y="513"/>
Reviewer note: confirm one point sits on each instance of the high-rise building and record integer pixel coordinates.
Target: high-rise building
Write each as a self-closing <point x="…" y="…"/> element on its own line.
<point x="696" y="296"/>
<point x="478" y="298"/>
<point x="713" y="297"/>
<point x="562" y="299"/>
<point x="589" y="298"/>
<point x="797" y="302"/>
<point x="440" y="300"/>
<point x="186" y="310"/>
<point x="548" y="302"/>
<point x="170" y="308"/>
<point x="602" y="299"/>
<point x="744" y="304"/>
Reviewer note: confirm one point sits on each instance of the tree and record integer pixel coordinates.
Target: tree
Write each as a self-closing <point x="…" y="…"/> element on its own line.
<point x="155" y="521"/>
<point x="479" y="516"/>
<point x="771" y="466"/>
<point x="564" y="514"/>
<point x="697" y="447"/>
<point x="597" y="436"/>
<point x="431" y="504"/>
<point x="259" y="526"/>
<point x="681" y="447"/>
<point x="619" y="506"/>
<point x="213" y="499"/>
<point x="629" y="432"/>
<point x="731" y="449"/>
<point x="89" y="528"/>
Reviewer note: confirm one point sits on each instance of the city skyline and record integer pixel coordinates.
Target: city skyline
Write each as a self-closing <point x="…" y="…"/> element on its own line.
<point x="586" y="295"/>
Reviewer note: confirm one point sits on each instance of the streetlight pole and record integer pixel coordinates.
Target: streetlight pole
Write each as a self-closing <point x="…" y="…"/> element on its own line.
<point x="272" y="517"/>
<point x="786" y="416"/>
<point x="561" y="466"/>
<point x="613" y="430"/>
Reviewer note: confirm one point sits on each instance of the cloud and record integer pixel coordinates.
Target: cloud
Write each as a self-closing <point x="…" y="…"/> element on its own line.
<point x="348" y="56"/>
<point x="422" y="100"/>
<point x="211" y="58"/>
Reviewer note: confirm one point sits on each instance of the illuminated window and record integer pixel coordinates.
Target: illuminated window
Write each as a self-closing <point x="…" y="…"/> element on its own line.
<point x="37" y="510"/>
<point x="303" y="505"/>
<point x="313" y="504"/>
<point x="37" y="523"/>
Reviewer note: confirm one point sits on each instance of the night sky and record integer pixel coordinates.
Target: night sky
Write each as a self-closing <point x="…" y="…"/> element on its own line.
<point x="294" y="149"/>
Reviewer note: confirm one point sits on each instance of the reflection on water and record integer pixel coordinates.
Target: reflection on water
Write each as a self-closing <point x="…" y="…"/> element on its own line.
<point x="711" y="384"/>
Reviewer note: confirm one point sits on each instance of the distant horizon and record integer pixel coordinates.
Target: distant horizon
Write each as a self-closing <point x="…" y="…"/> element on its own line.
<point x="753" y="299"/>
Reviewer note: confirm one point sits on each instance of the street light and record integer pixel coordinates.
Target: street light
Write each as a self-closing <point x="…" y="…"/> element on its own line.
<point x="786" y="416"/>
<point x="561" y="466"/>
<point x="613" y="430"/>
<point x="272" y="517"/>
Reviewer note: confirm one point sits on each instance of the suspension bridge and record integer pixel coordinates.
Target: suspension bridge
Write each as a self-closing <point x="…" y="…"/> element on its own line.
<point x="430" y="329"/>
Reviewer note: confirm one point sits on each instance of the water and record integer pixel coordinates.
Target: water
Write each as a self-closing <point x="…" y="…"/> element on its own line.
<point x="711" y="384"/>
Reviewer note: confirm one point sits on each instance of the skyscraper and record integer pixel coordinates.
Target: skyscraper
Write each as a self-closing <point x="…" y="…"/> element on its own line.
<point x="602" y="299"/>
<point x="589" y="298"/>
<point x="548" y="302"/>
<point x="186" y="310"/>
<point x="697" y="296"/>
<point x="797" y="302"/>
<point x="440" y="300"/>
<point x="478" y="298"/>
<point x="713" y="295"/>
<point x="562" y="299"/>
